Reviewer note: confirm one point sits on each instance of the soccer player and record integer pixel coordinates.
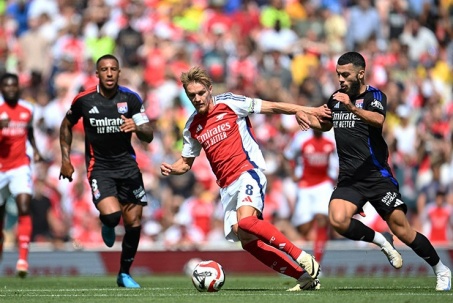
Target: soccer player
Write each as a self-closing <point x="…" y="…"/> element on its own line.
<point x="315" y="162"/>
<point x="16" y="117"/>
<point x="220" y="125"/>
<point x="358" y="114"/>
<point x="111" y="113"/>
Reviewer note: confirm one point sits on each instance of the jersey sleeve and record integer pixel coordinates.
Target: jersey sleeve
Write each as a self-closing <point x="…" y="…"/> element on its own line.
<point x="376" y="101"/>
<point x="75" y="111"/>
<point x="241" y="105"/>
<point x="191" y="147"/>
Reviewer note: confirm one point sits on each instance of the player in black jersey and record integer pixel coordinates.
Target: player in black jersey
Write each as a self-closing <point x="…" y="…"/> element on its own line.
<point x="358" y="114"/>
<point x="111" y="113"/>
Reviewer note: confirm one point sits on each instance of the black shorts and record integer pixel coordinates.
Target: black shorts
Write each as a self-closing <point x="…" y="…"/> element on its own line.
<point x="381" y="193"/>
<point x="126" y="185"/>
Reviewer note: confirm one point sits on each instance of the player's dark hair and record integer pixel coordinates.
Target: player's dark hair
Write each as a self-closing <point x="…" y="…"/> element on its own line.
<point x="107" y="56"/>
<point x="196" y="74"/>
<point x="8" y="76"/>
<point x="352" y="57"/>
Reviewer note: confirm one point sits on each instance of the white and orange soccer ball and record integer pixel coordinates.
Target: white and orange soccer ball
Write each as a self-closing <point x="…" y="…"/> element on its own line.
<point x="208" y="276"/>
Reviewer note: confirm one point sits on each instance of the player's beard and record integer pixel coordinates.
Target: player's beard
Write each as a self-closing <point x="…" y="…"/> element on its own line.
<point x="354" y="87"/>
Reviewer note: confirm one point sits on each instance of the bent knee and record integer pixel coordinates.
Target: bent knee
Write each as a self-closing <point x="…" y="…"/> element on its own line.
<point x="339" y="222"/>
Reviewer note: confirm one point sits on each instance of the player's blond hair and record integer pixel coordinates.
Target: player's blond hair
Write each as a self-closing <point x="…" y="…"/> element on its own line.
<point x="195" y="74"/>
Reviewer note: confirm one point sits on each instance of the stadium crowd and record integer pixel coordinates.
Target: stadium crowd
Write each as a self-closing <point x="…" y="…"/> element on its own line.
<point x="276" y="50"/>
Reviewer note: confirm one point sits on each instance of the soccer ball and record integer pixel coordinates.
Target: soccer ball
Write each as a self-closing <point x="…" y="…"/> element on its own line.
<point x="208" y="276"/>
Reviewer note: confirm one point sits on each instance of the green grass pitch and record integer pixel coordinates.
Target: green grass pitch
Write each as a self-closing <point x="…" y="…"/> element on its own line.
<point x="241" y="289"/>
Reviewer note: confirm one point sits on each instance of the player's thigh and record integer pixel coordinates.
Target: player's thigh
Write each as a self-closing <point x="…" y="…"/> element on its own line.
<point x="303" y="211"/>
<point x="321" y="195"/>
<point x="20" y="181"/>
<point x="344" y="203"/>
<point x="132" y="214"/>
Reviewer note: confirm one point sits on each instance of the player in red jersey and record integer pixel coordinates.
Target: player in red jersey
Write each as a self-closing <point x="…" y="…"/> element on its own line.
<point x="221" y="127"/>
<point x="16" y="116"/>
<point x="110" y="114"/>
<point x="315" y="167"/>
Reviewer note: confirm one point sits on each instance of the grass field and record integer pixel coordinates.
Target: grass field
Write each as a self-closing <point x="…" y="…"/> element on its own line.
<point x="242" y="289"/>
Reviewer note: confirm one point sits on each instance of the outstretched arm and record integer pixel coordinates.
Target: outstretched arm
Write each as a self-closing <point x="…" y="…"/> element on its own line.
<point x="144" y="130"/>
<point x="67" y="169"/>
<point x="316" y="117"/>
<point x="181" y="166"/>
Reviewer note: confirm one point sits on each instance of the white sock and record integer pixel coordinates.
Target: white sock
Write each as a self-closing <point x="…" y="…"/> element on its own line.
<point x="439" y="267"/>
<point x="379" y="239"/>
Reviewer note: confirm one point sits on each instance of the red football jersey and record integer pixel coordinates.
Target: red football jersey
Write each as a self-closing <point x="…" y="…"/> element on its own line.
<point x="13" y="139"/>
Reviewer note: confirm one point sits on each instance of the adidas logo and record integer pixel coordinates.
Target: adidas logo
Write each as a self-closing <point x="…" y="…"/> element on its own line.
<point x="247" y="199"/>
<point x="199" y="128"/>
<point x="398" y="202"/>
<point x="337" y="105"/>
<point x="94" y="110"/>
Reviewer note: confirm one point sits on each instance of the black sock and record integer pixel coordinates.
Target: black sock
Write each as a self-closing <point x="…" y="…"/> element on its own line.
<point x="129" y="248"/>
<point x="359" y="232"/>
<point x="424" y="249"/>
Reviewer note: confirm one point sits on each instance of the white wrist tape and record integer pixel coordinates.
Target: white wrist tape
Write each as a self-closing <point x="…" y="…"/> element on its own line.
<point x="140" y="118"/>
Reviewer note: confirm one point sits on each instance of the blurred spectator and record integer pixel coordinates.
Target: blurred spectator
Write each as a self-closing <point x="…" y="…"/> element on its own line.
<point x="364" y="23"/>
<point x="420" y="40"/>
<point x="438" y="218"/>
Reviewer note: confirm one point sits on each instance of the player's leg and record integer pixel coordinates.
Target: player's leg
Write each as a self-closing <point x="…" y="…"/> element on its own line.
<point x="319" y="196"/>
<point x="104" y="193"/>
<point x="400" y="226"/>
<point x="276" y="260"/>
<point x="251" y="187"/>
<point x="21" y="189"/>
<point x="24" y="230"/>
<point x="344" y="204"/>
<point x="2" y="223"/>
<point x="130" y="189"/>
<point x="132" y="215"/>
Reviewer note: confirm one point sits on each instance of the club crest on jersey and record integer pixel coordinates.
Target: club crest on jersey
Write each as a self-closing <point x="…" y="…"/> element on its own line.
<point x="122" y="107"/>
<point x="359" y="103"/>
<point x="220" y="117"/>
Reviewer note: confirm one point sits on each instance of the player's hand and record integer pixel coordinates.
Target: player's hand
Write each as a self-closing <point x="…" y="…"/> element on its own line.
<point x="322" y="113"/>
<point x="166" y="169"/>
<point x="128" y="125"/>
<point x="343" y="98"/>
<point x="66" y="171"/>
<point x="303" y="120"/>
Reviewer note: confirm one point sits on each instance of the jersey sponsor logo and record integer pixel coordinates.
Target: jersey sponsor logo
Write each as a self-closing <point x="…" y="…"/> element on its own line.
<point x="106" y="125"/>
<point x="220" y="117"/>
<point x="214" y="135"/>
<point x="377" y="104"/>
<point x="23" y="116"/>
<point x="344" y="120"/>
<point x="122" y="107"/>
<point x="15" y="128"/>
<point x="93" y="110"/>
<point x="359" y="103"/>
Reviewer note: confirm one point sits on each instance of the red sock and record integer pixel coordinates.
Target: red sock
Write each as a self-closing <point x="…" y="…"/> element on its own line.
<point x="24" y="228"/>
<point x="273" y="258"/>
<point x="320" y="242"/>
<point x="269" y="234"/>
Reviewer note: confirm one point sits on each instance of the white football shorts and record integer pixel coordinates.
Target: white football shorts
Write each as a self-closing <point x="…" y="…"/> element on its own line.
<point x="311" y="201"/>
<point x="15" y="181"/>
<point x="249" y="189"/>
